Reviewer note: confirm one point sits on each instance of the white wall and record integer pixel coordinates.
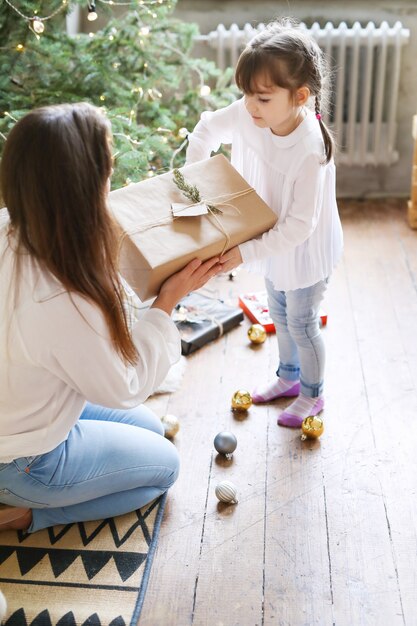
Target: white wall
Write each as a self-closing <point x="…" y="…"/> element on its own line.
<point x="352" y="181"/>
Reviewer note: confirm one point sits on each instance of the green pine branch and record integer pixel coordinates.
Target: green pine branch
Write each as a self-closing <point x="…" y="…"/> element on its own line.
<point x="191" y="191"/>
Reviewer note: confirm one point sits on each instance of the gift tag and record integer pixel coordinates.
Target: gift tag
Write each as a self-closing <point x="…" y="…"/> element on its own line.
<point x="185" y="210"/>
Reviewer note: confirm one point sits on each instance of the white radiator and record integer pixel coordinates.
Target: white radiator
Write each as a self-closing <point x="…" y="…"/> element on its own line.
<point x="365" y="63"/>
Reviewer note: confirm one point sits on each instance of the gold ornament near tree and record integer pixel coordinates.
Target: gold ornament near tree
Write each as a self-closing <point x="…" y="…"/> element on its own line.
<point x="241" y="400"/>
<point x="312" y="427"/>
<point x="171" y="425"/>
<point x="257" y="333"/>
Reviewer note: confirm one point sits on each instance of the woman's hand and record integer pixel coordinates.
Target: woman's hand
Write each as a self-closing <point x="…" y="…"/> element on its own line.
<point x="191" y="277"/>
<point x="230" y="259"/>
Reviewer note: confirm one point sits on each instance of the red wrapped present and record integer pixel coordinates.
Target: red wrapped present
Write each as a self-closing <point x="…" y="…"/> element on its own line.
<point x="255" y="305"/>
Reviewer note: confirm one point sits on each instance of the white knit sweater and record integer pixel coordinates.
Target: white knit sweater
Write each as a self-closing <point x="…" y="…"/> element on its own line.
<point x="56" y="354"/>
<point x="289" y="175"/>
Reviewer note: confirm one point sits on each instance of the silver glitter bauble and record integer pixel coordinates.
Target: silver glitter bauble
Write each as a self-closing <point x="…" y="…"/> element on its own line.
<point x="225" y="443"/>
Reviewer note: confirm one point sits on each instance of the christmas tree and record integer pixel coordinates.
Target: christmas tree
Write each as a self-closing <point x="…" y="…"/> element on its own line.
<point x="139" y="68"/>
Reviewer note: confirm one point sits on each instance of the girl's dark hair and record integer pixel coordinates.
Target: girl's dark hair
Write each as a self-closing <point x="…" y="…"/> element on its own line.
<point x="54" y="171"/>
<point x="290" y="59"/>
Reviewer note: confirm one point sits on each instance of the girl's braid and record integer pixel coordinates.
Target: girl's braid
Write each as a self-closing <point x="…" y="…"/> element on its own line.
<point x="318" y="77"/>
<point x="317" y="106"/>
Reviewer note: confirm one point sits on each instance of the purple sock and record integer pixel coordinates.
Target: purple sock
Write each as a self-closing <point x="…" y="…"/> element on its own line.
<point x="302" y="407"/>
<point x="280" y="388"/>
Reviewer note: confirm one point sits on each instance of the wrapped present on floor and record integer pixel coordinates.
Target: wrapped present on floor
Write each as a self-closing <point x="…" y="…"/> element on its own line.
<point x="256" y="308"/>
<point x="201" y="319"/>
<point x="162" y="229"/>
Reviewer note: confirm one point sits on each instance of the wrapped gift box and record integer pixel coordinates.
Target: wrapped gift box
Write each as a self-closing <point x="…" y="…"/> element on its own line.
<point x="154" y="243"/>
<point x="201" y="319"/>
<point x="256" y="308"/>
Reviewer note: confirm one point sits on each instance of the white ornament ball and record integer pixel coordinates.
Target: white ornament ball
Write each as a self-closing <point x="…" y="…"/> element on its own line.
<point x="226" y="492"/>
<point x="171" y="425"/>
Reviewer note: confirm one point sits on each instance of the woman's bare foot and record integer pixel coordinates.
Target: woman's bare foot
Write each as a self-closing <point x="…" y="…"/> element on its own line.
<point x="14" y="518"/>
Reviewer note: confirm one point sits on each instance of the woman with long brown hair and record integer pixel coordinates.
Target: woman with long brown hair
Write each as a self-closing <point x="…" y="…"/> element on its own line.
<point x="75" y="441"/>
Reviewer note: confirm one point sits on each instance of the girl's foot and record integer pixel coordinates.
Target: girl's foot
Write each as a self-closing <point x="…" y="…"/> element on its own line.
<point x="15" y="518"/>
<point x="280" y="388"/>
<point x="301" y="408"/>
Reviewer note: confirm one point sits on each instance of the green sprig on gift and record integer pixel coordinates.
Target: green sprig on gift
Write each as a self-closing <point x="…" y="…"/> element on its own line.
<point x="191" y="191"/>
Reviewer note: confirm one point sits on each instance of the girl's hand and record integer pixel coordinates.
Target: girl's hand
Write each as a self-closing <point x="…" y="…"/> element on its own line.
<point x="230" y="259"/>
<point x="191" y="277"/>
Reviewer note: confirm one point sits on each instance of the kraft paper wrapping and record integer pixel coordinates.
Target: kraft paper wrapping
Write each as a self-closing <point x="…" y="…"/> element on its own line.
<point x="154" y="244"/>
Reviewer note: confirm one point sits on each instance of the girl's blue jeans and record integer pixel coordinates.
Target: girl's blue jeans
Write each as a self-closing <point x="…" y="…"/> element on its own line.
<point x="301" y="347"/>
<point x="113" y="462"/>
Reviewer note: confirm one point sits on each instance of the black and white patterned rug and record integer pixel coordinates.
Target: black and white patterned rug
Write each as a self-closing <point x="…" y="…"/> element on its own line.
<point x="85" y="574"/>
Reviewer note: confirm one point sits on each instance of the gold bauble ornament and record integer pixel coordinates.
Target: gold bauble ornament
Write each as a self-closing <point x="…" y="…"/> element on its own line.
<point x="312" y="427"/>
<point x="257" y="333"/>
<point x="241" y="400"/>
<point x="226" y="492"/>
<point x="171" y="425"/>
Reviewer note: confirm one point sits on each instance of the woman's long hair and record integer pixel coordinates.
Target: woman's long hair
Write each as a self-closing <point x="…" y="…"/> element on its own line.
<point x="54" y="176"/>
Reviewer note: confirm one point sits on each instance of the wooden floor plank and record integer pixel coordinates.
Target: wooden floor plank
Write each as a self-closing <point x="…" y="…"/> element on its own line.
<point x="200" y="404"/>
<point x="364" y="589"/>
<point x="297" y="585"/>
<point x="176" y="569"/>
<point x="388" y="349"/>
<point x="229" y="591"/>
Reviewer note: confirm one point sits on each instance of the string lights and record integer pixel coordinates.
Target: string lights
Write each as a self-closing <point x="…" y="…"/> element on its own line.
<point x="38" y="26"/>
<point x="36" y="23"/>
<point x="145" y="10"/>
<point x="132" y="2"/>
<point x="92" y="14"/>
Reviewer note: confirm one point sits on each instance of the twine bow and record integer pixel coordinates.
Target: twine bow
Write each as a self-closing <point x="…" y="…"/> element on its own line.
<point x="212" y="204"/>
<point x="213" y="210"/>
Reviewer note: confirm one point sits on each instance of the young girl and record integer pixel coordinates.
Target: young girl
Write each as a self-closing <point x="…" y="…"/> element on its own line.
<point x="75" y="442"/>
<point x="284" y="150"/>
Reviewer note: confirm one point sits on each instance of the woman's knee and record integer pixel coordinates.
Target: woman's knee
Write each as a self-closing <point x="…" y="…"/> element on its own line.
<point x="143" y="417"/>
<point x="175" y="462"/>
<point x="170" y="460"/>
<point x="140" y="416"/>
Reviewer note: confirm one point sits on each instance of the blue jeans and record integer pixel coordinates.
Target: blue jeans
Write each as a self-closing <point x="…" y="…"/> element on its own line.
<point x="301" y="348"/>
<point x="113" y="462"/>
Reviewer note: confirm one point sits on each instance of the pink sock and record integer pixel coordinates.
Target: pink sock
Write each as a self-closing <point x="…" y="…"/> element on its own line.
<point x="280" y="388"/>
<point x="298" y="410"/>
